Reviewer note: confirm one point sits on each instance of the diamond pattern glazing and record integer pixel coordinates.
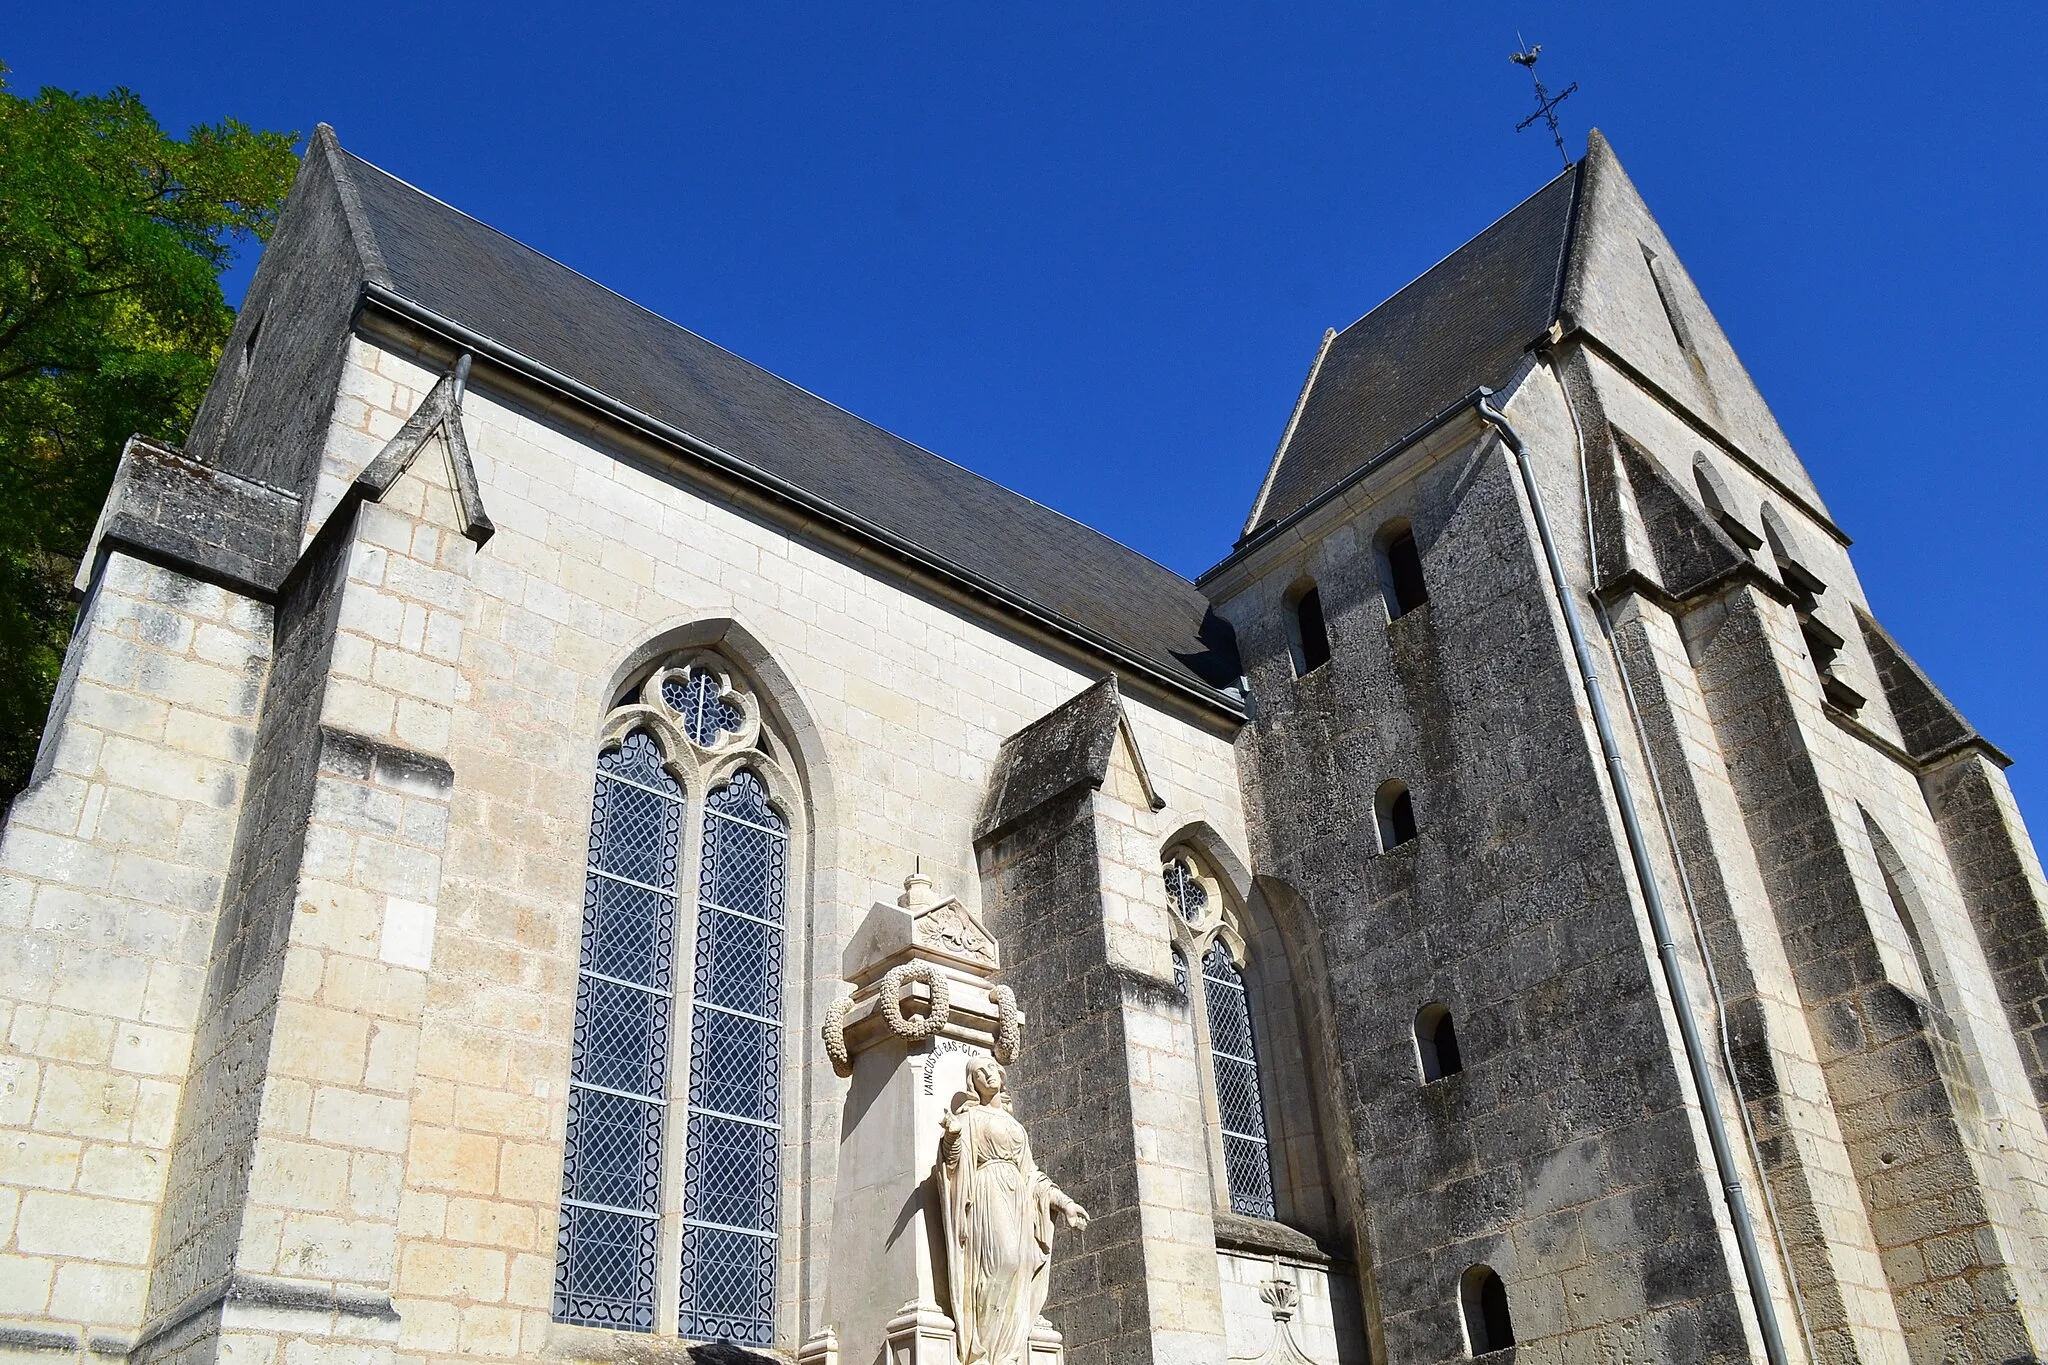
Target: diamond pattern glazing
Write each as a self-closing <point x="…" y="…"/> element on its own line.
<point x="1185" y="891"/>
<point x="1234" y="1058"/>
<point x="696" y="701"/>
<point x="731" y="1276"/>
<point x="598" y="1252"/>
<point x="605" y="1256"/>
<point x="734" y="1065"/>
<point x="1249" y="1170"/>
<point x="613" y="1156"/>
<point x="621" y="1038"/>
<point x="731" y="1168"/>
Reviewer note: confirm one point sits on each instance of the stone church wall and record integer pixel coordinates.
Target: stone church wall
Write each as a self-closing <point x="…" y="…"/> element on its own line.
<point x="895" y="701"/>
<point x="1563" y="1156"/>
<point x="112" y="869"/>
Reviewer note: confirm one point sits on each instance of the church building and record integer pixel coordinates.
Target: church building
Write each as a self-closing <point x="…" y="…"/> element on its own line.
<point x="554" y="844"/>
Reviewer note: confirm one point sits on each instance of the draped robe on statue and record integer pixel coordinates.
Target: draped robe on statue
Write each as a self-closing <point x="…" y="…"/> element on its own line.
<point x="998" y="1216"/>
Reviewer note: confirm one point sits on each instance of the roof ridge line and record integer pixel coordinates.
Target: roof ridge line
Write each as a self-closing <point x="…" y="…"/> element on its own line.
<point x="1287" y="436"/>
<point x="1441" y="260"/>
<point x="778" y="378"/>
<point x="358" y="221"/>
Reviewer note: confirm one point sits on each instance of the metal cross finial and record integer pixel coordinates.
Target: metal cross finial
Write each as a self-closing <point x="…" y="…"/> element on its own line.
<point x="1546" y="103"/>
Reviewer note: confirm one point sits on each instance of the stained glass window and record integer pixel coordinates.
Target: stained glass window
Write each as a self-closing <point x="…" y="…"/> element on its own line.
<point x="611" y="1164"/>
<point x="1185" y="890"/>
<point x="732" y="1174"/>
<point x="706" y="715"/>
<point x="1248" y="1166"/>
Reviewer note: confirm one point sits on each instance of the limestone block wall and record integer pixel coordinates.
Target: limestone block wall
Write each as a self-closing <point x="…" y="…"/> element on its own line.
<point x="1998" y="873"/>
<point x="1109" y="1082"/>
<point x="1905" y="1016"/>
<point x="1315" y="1314"/>
<point x="895" y="700"/>
<point x="1845" y="1305"/>
<point x="111" y="873"/>
<point x="1566" y="1155"/>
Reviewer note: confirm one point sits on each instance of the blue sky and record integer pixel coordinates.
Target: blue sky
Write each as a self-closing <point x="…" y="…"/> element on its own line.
<point x="1089" y="250"/>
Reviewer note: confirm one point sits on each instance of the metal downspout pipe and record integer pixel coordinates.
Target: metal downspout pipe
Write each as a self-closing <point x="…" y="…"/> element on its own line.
<point x="1653" y="901"/>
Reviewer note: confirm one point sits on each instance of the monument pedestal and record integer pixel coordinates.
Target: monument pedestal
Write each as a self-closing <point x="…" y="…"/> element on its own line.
<point x="924" y="1004"/>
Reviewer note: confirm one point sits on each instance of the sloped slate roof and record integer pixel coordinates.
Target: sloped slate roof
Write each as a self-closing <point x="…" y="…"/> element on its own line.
<point x="475" y="275"/>
<point x="1467" y="321"/>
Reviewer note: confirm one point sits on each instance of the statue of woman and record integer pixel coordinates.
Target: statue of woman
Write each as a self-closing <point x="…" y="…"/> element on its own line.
<point x="998" y="1217"/>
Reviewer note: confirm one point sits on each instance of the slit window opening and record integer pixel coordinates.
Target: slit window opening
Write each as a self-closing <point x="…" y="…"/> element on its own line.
<point x="1484" y="1298"/>
<point x="1402" y="566"/>
<point x="1396" y="811"/>
<point x="1311" y="634"/>
<point x="1436" y="1043"/>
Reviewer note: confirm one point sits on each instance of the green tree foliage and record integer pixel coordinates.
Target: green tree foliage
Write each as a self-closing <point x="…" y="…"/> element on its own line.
<point x="113" y="236"/>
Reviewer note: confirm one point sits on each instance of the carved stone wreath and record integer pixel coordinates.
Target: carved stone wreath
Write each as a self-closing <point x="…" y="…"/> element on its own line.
<point x="835" y="1036"/>
<point x="1009" y="1027"/>
<point x="890" y="997"/>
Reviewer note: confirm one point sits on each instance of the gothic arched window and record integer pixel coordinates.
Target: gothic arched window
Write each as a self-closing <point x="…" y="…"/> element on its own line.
<point x="1223" y="1019"/>
<point x="618" y="1073"/>
<point x="732" y="1172"/>
<point x="691" y="1250"/>
<point x="1234" y="1058"/>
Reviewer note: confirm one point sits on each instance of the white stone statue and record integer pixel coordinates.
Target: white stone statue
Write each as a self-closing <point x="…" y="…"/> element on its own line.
<point x="997" y="1213"/>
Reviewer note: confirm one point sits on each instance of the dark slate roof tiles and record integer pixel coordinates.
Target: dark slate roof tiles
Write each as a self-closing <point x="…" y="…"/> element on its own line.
<point x="1467" y="321"/>
<point x="449" y="262"/>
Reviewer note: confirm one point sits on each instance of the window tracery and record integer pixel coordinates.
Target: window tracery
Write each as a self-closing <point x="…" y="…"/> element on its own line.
<point x="683" y="749"/>
<point x="1224" y="1026"/>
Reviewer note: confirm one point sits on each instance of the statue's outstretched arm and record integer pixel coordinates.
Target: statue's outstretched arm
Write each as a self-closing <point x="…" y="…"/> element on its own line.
<point x="1076" y="1217"/>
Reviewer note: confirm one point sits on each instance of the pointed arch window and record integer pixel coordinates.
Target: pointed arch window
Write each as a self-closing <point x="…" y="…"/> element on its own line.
<point x="732" y="1172"/>
<point x="1223" y="1019"/>
<point x="611" y="1167"/>
<point x="692" y="1249"/>
<point x="1234" y="1058"/>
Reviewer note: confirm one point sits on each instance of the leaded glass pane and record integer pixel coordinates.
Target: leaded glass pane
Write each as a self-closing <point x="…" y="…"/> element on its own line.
<point x="1233" y="1056"/>
<point x="1249" y="1169"/>
<point x="604" y="1269"/>
<point x="732" y="1168"/>
<point x="705" y="714"/>
<point x="1230" y="1025"/>
<point x="734" y="1064"/>
<point x="638" y="759"/>
<point x="621" y="1040"/>
<point x="729" y="1281"/>
<point x="732" y="1172"/>
<point x="635" y="830"/>
<point x="1180" y="970"/>
<point x="611" y="1161"/>
<point x="742" y="961"/>
<point x="1185" y="890"/>
<point x="613" y="1156"/>
<point x="628" y="932"/>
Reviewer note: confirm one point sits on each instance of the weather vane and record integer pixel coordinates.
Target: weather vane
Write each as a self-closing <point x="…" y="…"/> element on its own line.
<point x="1546" y="103"/>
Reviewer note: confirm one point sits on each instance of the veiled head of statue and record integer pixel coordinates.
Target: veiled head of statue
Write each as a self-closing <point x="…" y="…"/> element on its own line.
<point x="985" y="1074"/>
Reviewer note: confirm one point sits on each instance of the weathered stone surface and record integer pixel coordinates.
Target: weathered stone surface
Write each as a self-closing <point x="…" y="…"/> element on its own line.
<point x="299" y="935"/>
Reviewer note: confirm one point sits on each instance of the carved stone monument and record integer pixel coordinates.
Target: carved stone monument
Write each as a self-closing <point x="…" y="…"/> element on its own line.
<point x="940" y="1220"/>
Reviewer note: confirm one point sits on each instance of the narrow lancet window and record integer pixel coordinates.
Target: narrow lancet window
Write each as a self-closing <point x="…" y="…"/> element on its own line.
<point x="1401" y="571"/>
<point x="1485" y="1302"/>
<point x="732" y="1167"/>
<point x="1248" y="1163"/>
<point x="611" y="1165"/>
<point x="1395" y="809"/>
<point x="1436" y="1043"/>
<point x="1310" y="635"/>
